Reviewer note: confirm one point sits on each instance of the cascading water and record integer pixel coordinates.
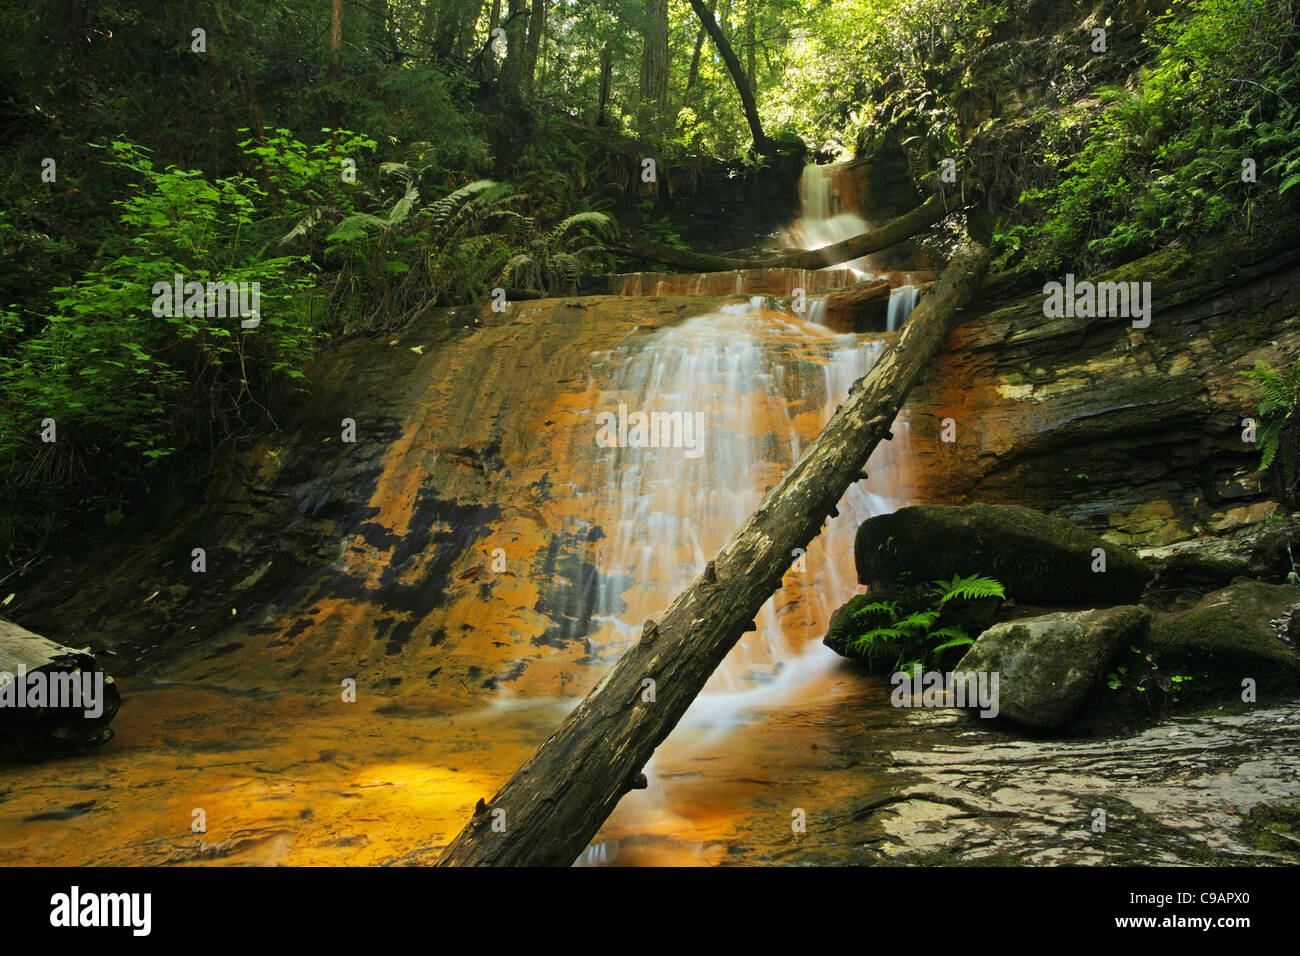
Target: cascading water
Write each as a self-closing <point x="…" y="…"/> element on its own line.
<point x="823" y="221"/>
<point x="762" y="382"/>
<point x="480" y="561"/>
<point x="902" y="300"/>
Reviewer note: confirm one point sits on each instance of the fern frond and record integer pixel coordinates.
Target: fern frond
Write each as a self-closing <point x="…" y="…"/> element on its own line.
<point x="593" y="222"/>
<point x="917" y="621"/>
<point x="972" y="588"/>
<point x="308" y="222"/>
<point x="1270" y="385"/>
<point x="443" y="209"/>
<point x="402" y="172"/>
<point x="355" y="226"/>
<point x="956" y="638"/>
<point x="402" y="208"/>
<point x="889" y="608"/>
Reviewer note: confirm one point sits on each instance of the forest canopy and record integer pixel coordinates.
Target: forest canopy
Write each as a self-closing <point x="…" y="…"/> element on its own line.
<point x="497" y="143"/>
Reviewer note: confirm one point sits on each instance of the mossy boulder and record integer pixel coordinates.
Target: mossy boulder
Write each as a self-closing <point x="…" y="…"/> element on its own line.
<point x="845" y="627"/>
<point x="1194" y="661"/>
<point x="1230" y="635"/>
<point x="1038" y="558"/>
<point x="1259" y="550"/>
<point x="1048" y="666"/>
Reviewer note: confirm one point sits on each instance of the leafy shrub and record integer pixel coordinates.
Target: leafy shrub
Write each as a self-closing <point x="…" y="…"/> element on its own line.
<point x="554" y="263"/>
<point x="1165" y="160"/>
<point x="126" y="387"/>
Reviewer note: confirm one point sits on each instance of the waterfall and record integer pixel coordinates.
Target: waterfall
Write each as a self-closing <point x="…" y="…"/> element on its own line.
<point x="902" y="300"/>
<point x="822" y="222"/>
<point x="763" y="382"/>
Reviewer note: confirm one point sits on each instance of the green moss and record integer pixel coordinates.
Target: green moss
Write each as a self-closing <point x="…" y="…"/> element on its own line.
<point x="1163" y="268"/>
<point x="1222" y="644"/>
<point x="1274" y="827"/>
<point x="1040" y="559"/>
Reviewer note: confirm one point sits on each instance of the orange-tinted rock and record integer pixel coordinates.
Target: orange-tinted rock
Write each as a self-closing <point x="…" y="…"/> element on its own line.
<point x="1135" y="434"/>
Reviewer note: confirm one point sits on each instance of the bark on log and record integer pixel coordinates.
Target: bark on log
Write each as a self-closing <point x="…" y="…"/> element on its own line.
<point x="547" y="813"/>
<point x="37" y="731"/>
<point x="859" y="308"/>
<point x="891" y="233"/>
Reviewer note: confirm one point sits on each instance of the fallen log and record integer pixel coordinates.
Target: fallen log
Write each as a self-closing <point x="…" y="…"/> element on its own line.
<point x="52" y="698"/>
<point x="891" y="233"/>
<point x="547" y="813"/>
<point x="863" y="307"/>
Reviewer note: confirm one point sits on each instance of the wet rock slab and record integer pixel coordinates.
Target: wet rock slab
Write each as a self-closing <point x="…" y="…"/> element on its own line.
<point x="1193" y="791"/>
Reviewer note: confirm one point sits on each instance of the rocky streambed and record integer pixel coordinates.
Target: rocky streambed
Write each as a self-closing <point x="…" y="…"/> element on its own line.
<point x="457" y="562"/>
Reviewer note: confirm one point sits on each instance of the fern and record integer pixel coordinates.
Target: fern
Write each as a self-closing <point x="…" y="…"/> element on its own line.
<point x="1279" y="394"/>
<point x="445" y="208"/>
<point x="918" y="621"/>
<point x="956" y="638"/>
<point x="886" y="608"/>
<point x="917" y="634"/>
<point x="971" y="588"/>
<point x="554" y="264"/>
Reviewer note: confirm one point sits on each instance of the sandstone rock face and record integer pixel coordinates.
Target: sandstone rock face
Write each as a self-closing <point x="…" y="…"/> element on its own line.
<point x="1038" y="559"/>
<point x="1134" y="433"/>
<point x="1048" y="665"/>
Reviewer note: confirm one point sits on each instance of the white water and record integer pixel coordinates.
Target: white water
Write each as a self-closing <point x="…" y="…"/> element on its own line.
<point x="822" y="221"/>
<point x="766" y="382"/>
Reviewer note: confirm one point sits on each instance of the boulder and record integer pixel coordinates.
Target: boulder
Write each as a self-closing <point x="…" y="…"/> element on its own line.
<point x="1260" y="550"/>
<point x="845" y="627"/>
<point x="1048" y="666"/>
<point x="1231" y="634"/>
<point x="42" y="707"/>
<point x="1039" y="559"/>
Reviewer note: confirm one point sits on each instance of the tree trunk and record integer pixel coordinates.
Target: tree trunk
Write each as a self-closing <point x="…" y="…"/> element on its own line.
<point x="606" y="69"/>
<point x="751" y="64"/>
<point x="485" y="62"/>
<point x="336" y="56"/>
<point x="693" y="75"/>
<point x="536" y="25"/>
<point x="762" y="144"/>
<point x="448" y="27"/>
<point x="465" y="38"/>
<point x="654" y="58"/>
<point x="547" y="813"/>
<point x="891" y="233"/>
<point x="516" y="27"/>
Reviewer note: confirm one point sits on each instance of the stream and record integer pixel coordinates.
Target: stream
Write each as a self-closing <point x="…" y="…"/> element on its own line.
<point x="493" y="558"/>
